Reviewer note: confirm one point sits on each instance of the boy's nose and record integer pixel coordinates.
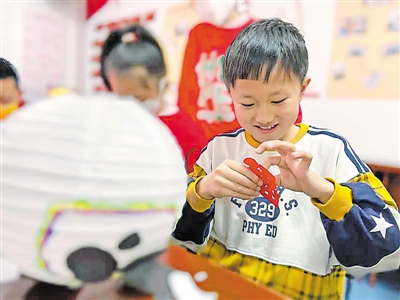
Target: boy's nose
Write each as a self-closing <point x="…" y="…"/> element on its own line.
<point x="264" y="116"/>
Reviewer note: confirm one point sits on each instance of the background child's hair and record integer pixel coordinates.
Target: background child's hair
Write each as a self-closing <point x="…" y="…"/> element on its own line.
<point x="265" y="43"/>
<point x="7" y="70"/>
<point x="140" y="48"/>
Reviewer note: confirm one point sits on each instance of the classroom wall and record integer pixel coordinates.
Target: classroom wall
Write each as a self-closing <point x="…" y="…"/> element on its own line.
<point x="370" y="124"/>
<point x="43" y="40"/>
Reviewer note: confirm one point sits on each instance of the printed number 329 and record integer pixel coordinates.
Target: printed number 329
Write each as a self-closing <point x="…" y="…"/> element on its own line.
<point x="262" y="209"/>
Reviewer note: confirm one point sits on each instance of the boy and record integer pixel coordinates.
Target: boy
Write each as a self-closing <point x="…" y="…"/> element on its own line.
<point x="333" y="214"/>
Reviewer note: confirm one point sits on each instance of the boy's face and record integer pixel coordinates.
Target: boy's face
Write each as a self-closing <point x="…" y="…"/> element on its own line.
<point x="267" y="110"/>
<point x="10" y="96"/>
<point x="9" y="91"/>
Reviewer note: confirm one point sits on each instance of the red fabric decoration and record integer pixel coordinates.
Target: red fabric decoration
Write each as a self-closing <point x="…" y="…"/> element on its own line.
<point x="92" y="6"/>
<point x="189" y="136"/>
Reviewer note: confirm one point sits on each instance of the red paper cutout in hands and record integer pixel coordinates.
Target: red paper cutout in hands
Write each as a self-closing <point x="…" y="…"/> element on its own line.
<point x="268" y="189"/>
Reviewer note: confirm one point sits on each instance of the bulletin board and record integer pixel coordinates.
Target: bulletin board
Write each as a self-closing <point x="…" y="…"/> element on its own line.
<point x="365" y="59"/>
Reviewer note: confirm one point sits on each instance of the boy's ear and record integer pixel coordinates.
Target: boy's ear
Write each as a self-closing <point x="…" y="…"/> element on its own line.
<point x="221" y="70"/>
<point x="305" y="84"/>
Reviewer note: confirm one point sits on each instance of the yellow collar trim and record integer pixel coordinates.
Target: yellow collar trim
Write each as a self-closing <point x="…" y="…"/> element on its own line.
<point x="302" y="131"/>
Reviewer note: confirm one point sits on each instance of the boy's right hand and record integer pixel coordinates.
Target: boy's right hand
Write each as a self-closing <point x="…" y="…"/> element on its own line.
<point x="230" y="179"/>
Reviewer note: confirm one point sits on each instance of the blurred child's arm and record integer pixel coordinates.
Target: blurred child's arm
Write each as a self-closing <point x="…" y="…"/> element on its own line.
<point x="362" y="225"/>
<point x="193" y="228"/>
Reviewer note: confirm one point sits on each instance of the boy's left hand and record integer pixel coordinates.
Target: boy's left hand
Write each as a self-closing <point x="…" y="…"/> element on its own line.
<point x="295" y="173"/>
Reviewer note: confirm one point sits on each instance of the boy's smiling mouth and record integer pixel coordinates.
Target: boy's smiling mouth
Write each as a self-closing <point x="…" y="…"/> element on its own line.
<point x="266" y="129"/>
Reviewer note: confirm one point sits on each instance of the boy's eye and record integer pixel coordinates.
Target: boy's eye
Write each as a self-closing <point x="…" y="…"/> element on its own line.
<point x="247" y="105"/>
<point x="277" y="102"/>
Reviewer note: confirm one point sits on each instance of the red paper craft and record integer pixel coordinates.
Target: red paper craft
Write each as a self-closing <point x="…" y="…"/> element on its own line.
<point x="268" y="189"/>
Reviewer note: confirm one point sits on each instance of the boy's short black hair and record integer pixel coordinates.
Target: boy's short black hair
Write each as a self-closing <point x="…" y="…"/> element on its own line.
<point x="143" y="51"/>
<point x="265" y="43"/>
<point x="7" y="70"/>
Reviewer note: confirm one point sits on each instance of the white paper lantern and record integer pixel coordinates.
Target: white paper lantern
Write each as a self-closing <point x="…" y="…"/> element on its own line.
<point x="89" y="184"/>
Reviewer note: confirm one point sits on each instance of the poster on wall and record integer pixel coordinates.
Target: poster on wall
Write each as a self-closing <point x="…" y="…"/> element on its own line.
<point x="6" y="35"/>
<point x="48" y="68"/>
<point x="366" y="50"/>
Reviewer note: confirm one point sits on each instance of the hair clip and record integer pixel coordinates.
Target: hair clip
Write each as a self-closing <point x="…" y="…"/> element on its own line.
<point x="129" y="37"/>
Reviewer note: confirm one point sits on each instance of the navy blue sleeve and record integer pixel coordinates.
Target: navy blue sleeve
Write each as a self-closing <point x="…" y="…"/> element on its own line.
<point x="367" y="238"/>
<point x="194" y="226"/>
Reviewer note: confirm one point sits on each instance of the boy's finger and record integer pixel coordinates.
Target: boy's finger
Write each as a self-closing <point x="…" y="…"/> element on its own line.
<point x="246" y="172"/>
<point x="278" y="179"/>
<point x="234" y="189"/>
<point x="249" y="174"/>
<point x="244" y="197"/>
<point x="271" y="161"/>
<point x="306" y="157"/>
<point x="280" y="146"/>
<point x="236" y="178"/>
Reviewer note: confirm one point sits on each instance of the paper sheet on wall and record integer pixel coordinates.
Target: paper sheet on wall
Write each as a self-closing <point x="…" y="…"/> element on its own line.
<point x="6" y="35"/>
<point x="43" y="69"/>
<point x="366" y="50"/>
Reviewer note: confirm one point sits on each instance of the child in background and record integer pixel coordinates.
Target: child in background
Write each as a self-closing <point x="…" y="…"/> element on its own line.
<point x="10" y="93"/>
<point x="334" y="216"/>
<point x="132" y="64"/>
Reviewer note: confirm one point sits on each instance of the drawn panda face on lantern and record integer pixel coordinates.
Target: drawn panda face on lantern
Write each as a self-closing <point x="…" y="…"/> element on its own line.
<point x="89" y="185"/>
